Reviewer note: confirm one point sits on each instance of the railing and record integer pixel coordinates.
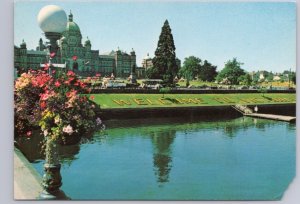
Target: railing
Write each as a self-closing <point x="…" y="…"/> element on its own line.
<point x="242" y="109"/>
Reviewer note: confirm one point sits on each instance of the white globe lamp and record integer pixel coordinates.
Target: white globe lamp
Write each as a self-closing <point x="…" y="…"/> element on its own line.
<point x="52" y="20"/>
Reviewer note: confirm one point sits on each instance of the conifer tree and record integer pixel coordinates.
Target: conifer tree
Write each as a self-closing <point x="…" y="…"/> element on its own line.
<point x="164" y="62"/>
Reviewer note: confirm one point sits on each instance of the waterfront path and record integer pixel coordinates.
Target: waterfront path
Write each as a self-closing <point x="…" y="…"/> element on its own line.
<point x="27" y="182"/>
<point x="272" y="117"/>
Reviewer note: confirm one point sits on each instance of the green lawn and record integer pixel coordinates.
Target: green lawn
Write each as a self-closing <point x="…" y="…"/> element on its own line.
<point x="197" y="83"/>
<point x="184" y="100"/>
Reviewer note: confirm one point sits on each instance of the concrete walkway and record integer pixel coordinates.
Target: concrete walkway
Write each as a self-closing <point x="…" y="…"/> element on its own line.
<point x="27" y="181"/>
<point x="272" y="117"/>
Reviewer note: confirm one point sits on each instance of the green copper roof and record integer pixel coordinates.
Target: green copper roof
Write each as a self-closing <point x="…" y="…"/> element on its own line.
<point x="72" y="26"/>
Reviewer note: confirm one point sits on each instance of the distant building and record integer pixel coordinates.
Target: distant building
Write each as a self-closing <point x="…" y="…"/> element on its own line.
<point x="25" y="59"/>
<point x="261" y="76"/>
<point x="147" y="62"/>
<point x="276" y="78"/>
<point x="77" y="56"/>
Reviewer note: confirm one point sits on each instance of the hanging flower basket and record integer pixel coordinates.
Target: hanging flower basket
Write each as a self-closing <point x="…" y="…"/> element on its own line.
<point x="57" y="104"/>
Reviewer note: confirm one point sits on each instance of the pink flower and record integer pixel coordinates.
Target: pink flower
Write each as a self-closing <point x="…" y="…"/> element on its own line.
<point x="29" y="133"/>
<point x="74" y="57"/>
<point x="98" y="121"/>
<point x="70" y="73"/>
<point x="68" y="129"/>
<point x="57" y="84"/>
<point x="98" y="75"/>
<point x="71" y="93"/>
<point x="52" y="54"/>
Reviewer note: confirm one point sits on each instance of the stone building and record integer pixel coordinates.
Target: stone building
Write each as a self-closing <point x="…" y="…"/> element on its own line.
<point x="147" y="62"/>
<point x="77" y="56"/>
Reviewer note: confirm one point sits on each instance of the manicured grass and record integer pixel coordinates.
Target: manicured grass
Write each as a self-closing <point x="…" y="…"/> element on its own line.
<point x="197" y="83"/>
<point x="277" y="84"/>
<point x="184" y="100"/>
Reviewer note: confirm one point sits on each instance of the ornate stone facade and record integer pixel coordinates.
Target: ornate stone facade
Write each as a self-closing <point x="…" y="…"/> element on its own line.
<point x="77" y="56"/>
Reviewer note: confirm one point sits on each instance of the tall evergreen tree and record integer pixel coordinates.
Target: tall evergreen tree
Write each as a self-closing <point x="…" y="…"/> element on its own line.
<point x="164" y="62"/>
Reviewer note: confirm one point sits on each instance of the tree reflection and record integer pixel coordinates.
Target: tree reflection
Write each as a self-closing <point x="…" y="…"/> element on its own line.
<point x="162" y="150"/>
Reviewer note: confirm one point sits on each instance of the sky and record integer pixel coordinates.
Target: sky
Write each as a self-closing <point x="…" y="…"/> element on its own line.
<point x="260" y="35"/>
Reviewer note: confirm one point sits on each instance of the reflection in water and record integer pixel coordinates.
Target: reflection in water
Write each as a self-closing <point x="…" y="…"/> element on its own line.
<point x="33" y="149"/>
<point x="162" y="159"/>
<point x="179" y="158"/>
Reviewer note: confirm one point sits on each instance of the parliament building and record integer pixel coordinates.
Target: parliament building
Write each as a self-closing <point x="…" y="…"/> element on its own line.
<point x="76" y="56"/>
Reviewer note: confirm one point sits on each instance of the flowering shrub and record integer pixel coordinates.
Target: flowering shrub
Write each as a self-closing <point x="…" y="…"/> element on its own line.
<point x="55" y="104"/>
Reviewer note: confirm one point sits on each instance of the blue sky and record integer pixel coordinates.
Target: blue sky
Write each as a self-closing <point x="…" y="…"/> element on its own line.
<point x="261" y="35"/>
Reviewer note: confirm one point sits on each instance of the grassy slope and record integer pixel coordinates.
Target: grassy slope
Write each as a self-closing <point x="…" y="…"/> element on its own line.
<point x="184" y="100"/>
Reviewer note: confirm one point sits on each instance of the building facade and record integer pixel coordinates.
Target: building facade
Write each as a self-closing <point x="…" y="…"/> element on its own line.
<point x="77" y="56"/>
<point x="147" y="62"/>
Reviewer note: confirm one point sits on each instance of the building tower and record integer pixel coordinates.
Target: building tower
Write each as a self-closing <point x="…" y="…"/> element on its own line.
<point x="23" y="55"/>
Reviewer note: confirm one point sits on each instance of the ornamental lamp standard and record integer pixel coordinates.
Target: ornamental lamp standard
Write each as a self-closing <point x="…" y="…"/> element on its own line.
<point x="53" y="21"/>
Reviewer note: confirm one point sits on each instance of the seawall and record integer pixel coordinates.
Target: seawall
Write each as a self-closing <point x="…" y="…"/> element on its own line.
<point x="27" y="181"/>
<point x="199" y="111"/>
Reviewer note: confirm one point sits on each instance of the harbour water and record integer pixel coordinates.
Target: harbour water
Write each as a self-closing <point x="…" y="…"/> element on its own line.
<point x="230" y="158"/>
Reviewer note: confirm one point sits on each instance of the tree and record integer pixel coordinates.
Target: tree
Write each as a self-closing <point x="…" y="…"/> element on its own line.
<point x="232" y="71"/>
<point x="270" y="76"/>
<point x="245" y="79"/>
<point x="190" y="68"/>
<point x="164" y="62"/>
<point x="152" y="73"/>
<point x="293" y="77"/>
<point x="208" y="72"/>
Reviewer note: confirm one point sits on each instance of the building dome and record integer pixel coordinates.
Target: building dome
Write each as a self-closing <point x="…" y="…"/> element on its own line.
<point x="72" y="33"/>
<point x="72" y="26"/>
<point x="52" y="18"/>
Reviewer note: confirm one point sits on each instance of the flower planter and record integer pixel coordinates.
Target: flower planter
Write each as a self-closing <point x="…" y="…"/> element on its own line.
<point x="69" y="139"/>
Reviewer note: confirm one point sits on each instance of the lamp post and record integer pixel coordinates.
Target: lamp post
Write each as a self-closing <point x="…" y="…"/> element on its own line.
<point x="53" y="21"/>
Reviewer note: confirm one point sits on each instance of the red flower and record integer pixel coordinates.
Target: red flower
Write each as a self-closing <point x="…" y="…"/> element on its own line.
<point x="92" y="97"/>
<point x="43" y="104"/>
<point x="29" y="133"/>
<point x="71" y="79"/>
<point x="74" y="57"/>
<point x="82" y="85"/>
<point x="68" y="94"/>
<point x="52" y="54"/>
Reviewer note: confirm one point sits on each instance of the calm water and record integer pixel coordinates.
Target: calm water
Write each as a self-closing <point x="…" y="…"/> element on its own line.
<point x="176" y="159"/>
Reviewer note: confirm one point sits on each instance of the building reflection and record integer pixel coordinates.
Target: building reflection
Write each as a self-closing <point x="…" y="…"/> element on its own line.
<point x="162" y="154"/>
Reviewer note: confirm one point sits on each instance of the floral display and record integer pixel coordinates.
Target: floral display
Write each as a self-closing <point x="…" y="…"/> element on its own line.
<point x="58" y="105"/>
